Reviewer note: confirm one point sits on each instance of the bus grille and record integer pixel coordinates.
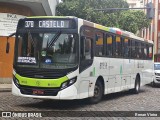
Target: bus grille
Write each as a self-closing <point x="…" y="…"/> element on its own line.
<point x="41" y="73"/>
<point x="47" y="92"/>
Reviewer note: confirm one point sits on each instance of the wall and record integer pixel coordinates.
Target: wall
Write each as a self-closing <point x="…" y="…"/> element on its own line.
<point x="6" y="60"/>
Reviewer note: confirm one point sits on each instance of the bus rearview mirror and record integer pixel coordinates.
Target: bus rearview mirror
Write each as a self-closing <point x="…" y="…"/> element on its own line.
<point x="8" y="45"/>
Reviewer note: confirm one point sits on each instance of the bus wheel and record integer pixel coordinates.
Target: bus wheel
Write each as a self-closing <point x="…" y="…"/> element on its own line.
<point x="153" y="84"/>
<point x="98" y="93"/>
<point x="137" y="86"/>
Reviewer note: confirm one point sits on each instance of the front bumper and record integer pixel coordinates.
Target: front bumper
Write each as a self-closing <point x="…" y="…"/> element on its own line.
<point x="65" y="94"/>
<point x="157" y="79"/>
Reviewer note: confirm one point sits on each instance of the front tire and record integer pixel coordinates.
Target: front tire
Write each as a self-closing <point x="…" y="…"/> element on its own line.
<point x="98" y="93"/>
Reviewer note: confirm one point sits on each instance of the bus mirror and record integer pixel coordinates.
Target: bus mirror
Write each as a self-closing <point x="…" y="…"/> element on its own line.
<point x="8" y="45"/>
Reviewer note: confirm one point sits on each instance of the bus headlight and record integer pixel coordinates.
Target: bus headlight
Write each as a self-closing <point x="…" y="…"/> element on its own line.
<point x="16" y="82"/>
<point x="68" y="83"/>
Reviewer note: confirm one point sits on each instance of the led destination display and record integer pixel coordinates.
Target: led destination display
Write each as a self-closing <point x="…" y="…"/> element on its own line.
<point x="48" y="24"/>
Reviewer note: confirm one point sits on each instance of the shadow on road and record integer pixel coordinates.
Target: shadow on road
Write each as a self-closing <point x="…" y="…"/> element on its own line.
<point x="153" y="86"/>
<point x="118" y="95"/>
<point x="73" y="104"/>
<point x="56" y="104"/>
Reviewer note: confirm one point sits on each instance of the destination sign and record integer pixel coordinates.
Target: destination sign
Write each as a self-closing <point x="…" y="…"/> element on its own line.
<point x="48" y="24"/>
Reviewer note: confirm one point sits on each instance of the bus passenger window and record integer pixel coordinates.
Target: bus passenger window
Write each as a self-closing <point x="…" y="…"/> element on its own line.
<point x="133" y="50"/>
<point x="150" y="51"/>
<point x="109" y="45"/>
<point x="145" y="51"/>
<point x="87" y="49"/>
<point x="99" y="44"/>
<point x="118" y="48"/>
<point x="126" y="48"/>
<point x="86" y="46"/>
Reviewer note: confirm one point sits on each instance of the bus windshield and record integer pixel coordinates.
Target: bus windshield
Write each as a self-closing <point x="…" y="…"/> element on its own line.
<point x="47" y="50"/>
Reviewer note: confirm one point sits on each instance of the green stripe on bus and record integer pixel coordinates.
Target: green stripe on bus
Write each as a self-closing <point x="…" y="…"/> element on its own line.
<point x="35" y="82"/>
<point x="94" y="71"/>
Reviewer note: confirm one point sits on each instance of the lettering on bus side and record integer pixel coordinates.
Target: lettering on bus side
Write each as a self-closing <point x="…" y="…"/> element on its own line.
<point x="103" y="65"/>
<point x="140" y="65"/>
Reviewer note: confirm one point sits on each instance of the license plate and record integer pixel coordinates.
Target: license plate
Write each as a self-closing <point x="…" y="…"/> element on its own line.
<point x="38" y="92"/>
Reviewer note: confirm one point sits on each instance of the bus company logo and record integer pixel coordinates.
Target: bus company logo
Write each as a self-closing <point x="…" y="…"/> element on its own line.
<point x="38" y="83"/>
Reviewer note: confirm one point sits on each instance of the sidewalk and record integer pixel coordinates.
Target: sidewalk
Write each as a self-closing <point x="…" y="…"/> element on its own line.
<point x="5" y="87"/>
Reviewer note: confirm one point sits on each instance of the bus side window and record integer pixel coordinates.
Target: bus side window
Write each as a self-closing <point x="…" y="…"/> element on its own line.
<point x="109" y="47"/>
<point x="118" y="46"/>
<point x="86" y="48"/>
<point x="133" y="50"/>
<point x="88" y="53"/>
<point x="99" y="44"/>
<point x="143" y="50"/>
<point x="126" y="48"/>
<point x="150" y="52"/>
<point x="138" y="50"/>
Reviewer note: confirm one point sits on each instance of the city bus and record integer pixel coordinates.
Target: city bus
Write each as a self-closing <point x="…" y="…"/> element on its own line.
<point x="66" y="58"/>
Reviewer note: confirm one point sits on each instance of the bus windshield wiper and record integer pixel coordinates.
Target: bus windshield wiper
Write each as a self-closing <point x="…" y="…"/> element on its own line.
<point x="53" y="40"/>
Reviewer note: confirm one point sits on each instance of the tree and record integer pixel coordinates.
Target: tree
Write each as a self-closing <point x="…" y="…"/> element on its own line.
<point x="130" y="20"/>
<point x="133" y="20"/>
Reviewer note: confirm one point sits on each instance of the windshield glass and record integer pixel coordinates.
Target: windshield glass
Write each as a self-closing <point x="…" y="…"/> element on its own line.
<point x="157" y="66"/>
<point x="47" y="50"/>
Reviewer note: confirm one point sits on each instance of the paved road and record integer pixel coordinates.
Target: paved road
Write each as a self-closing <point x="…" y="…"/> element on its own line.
<point x="147" y="100"/>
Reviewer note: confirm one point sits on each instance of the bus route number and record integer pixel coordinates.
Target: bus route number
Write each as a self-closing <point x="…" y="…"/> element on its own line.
<point x="29" y="24"/>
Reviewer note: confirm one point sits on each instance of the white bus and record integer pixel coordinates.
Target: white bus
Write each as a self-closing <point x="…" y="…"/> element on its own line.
<point x="68" y="58"/>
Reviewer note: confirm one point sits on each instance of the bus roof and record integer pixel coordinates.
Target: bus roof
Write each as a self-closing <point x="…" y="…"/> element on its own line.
<point x="95" y="25"/>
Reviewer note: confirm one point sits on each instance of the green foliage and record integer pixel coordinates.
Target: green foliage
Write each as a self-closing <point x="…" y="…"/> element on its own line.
<point x="130" y="20"/>
<point x="133" y="20"/>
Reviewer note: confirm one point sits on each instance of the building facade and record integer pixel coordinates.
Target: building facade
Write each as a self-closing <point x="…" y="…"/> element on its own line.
<point x="10" y="12"/>
<point x="135" y="3"/>
<point x="153" y="31"/>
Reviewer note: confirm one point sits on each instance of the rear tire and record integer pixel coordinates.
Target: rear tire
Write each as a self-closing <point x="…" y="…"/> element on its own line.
<point x="136" y="86"/>
<point x="98" y="93"/>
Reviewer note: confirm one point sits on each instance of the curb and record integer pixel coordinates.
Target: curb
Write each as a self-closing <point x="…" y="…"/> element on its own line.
<point x="5" y="90"/>
<point x="5" y="87"/>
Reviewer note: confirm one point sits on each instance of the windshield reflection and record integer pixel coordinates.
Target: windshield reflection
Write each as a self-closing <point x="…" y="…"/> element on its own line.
<point x="47" y="50"/>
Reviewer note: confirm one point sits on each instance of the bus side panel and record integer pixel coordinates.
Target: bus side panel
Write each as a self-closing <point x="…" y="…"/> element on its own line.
<point x="86" y="83"/>
<point x="138" y="70"/>
<point x="148" y="72"/>
<point x="101" y="65"/>
<point x="128" y="67"/>
<point x="115" y="72"/>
